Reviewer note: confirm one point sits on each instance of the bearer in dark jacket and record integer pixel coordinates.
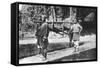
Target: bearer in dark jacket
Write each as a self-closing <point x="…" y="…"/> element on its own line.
<point x="42" y="37"/>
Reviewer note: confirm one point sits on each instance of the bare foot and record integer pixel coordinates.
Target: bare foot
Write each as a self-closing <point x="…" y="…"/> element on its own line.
<point x="44" y="59"/>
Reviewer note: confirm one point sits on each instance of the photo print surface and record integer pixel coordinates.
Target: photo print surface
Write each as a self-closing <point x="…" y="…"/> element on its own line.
<point x="54" y="33"/>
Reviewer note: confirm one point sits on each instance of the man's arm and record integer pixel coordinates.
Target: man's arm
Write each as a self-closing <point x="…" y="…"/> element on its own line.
<point x="81" y="28"/>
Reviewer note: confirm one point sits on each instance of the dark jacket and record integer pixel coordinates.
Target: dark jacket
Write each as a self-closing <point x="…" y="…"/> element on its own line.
<point x="42" y="30"/>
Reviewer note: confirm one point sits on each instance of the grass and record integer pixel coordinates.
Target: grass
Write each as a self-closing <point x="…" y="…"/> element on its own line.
<point x="31" y="49"/>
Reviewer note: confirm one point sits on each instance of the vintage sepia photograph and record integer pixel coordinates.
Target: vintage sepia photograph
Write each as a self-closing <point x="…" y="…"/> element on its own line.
<point x="56" y="33"/>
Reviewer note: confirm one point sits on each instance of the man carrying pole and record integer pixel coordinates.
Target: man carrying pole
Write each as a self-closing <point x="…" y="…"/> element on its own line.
<point x="42" y="37"/>
<point x="75" y="30"/>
